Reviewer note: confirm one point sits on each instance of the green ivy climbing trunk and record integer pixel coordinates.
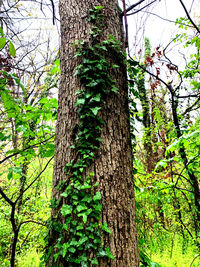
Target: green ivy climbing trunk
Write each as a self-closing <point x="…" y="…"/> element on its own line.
<point x="112" y="165"/>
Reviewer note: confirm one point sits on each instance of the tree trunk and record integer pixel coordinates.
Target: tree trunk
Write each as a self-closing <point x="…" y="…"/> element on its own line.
<point x="113" y="161"/>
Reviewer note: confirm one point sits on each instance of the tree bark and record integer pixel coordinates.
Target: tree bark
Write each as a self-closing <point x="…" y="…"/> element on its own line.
<point x="113" y="161"/>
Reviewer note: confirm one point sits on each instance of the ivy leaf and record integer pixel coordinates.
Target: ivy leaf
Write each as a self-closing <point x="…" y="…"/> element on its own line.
<point x="101" y="253"/>
<point x="109" y="254"/>
<point x="114" y="89"/>
<point x="84" y="217"/>
<point x="85" y="186"/>
<point x="12" y="49"/>
<point x="66" y="209"/>
<point x="94" y="261"/>
<point x="92" y="174"/>
<point x="80" y="227"/>
<point x="65" y="194"/>
<point x="95" y="110"/>
<point x="80" y="101"/>
<point x="98" y="7"/>
<point x="72" y="249"/>
<point x="85" y="214"/>
<point x="84" y="264"/>
<point x="105" y="228"/>
<point x="81" y="207"/>
<point x="82" y="240"/>
<point x="97" y="98"/>
<point x="87" y="198"/>
<point x="65" y="247"/>
<point x="97" y="196"/>
<point x="56" y="256"/>
<point x="2" y="42"/>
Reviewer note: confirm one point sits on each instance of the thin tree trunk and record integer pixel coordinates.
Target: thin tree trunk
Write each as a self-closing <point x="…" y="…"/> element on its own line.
<point x="183" y="155"/>
<point x="113" y="161"/>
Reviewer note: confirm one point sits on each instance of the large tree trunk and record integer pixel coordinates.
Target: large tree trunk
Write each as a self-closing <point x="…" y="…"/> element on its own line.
<point x="113" y="161"/>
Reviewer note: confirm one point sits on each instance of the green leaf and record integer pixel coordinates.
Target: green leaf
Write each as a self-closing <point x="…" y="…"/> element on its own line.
<point x="12" y="49"/>
<point x="82" y="240"/>
<point x="72" y="249"/>
<point x="162" y="163"/>
<point x="66" y="209"/>
<point x="65" y="247"/>
<point x="87" y="198"/>
<point x="2" y="42"/>
<point x="114" y="89"/>
<point x="101" y="253"/>
<point x="56" y="256"/>
<point x="99" y="7"/>
<point x="85" y="186"/>
<point x="1" y="32"/>
<point x="105" y="228"/>
<point x="97" y="196"/>
<point x="80" y="101"/>
<point x="84" y="264"/>
<point x="10" y="174"/>
<point x="80" y="227"/>
<point x="81" y="207"/>
<point x="94" y="261"/>
<point x="95" y="110"/>
<point x="47" y="150"/>
<point x="65" y="194"/>
<point x="97" y="98"/>
<point x="84" y="217"/>
<point x="44" y="100"/>
<point x="109" y="254"/>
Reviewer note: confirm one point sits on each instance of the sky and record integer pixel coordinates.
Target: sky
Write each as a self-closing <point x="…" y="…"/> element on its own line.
<point x="151" y="22"/>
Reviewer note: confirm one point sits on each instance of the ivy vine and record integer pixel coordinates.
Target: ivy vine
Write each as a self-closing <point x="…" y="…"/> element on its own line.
<point x="80" y="242"/>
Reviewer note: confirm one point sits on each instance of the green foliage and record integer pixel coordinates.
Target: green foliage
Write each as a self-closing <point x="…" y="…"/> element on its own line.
<point x="4" y="40"/>
<point x="26" y="141"/>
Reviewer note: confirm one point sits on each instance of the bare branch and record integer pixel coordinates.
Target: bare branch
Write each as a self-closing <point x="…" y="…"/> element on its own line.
<point x="31" y="221"/>
<point x="133" y="6"/>
<point x="188" y="15"/>
<point x="141" y="8"/>
<point x="7" y="199"/>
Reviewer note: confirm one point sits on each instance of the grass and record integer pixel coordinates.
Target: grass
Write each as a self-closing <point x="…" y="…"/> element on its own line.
<point x="30" y="259"/>
<point x="178" y="257"/>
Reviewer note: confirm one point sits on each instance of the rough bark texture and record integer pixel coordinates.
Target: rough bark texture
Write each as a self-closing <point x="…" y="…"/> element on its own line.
<point x="113" y="162"/>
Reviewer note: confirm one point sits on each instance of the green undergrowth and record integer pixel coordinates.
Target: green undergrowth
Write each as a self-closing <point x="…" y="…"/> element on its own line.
<point x="162" y="256"/>
<point x="35" y="207"/>
<point x="30" y="259"/>
<point x="181" y="255"/>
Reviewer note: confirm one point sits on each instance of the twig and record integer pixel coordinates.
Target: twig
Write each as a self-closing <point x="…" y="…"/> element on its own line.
<point x="188" y="15"/>
<point x="132" y="6"/>
<point x="194" y="259"/>
<point x="34" y="180"/>
<point x="18" y="152"/>
<point x="141" y="8"/>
